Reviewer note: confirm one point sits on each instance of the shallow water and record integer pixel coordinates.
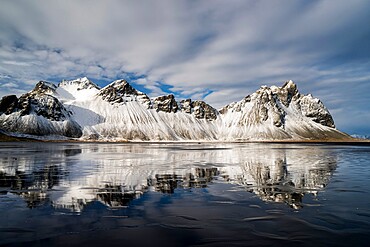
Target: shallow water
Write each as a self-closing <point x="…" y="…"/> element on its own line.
<point x="66" y="194"/>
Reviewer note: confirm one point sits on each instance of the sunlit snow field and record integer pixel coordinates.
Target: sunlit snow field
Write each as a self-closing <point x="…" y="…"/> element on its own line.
<point x="65" y="194"/>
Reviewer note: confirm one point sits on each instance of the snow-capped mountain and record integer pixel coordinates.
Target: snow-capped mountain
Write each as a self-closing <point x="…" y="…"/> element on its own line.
<point x="278" y="113"/>
<point x="80" y="109"/>
<point x="364" y="137"/>
<point x="38" y="112"/>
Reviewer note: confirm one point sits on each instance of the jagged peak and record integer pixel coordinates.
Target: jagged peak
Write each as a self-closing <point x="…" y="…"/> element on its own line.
<point x="289" y="84"/>
<point x="118" y="83"/>
<point x="46" y="84"/>
<point x="285" y="93"/>
<point x="120" y="91"/>
<point x="80" y="83"/>
<point x="79" y="79"/>
<point x="44" y="87"/>
<point x="168" y="96"/>
<point x="123" y="87"/>
<point x="291" y="87"/>
<point x="165" y="103"/>
<point x="83" y="79"/>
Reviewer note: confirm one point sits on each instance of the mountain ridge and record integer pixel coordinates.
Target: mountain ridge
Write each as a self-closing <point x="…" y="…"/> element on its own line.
<point x="81" y="109"/>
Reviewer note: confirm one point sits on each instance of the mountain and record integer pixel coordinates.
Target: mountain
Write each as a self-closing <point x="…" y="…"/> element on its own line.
<point x="278" y="113"/>
<point x="81" y="109"/>
<point x="363" y="137"/>
<point x="38" y="112"/>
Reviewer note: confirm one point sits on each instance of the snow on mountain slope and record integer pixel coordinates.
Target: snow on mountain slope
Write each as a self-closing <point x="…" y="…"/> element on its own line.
<point x="118" y="111"/>
<point x="79" y="108"/>
<point x="132" y="120"/>
<point x="278" y="113"/>
<point x="37" y="113"/>
<point x="80" y="89"/>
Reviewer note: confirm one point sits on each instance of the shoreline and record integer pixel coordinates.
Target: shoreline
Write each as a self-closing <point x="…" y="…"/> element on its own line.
<point x="351" y="141"/>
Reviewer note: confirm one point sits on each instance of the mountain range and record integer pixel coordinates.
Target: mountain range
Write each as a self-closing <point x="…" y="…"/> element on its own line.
<point x="82" y="110"/>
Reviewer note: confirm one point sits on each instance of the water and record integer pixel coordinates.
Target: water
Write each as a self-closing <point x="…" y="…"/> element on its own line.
<point x="70" y="194"/>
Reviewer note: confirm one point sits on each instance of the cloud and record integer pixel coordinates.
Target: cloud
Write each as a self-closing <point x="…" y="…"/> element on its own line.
<point x="10" y="85"/>
<point x="152" y="86"/>
<point x="220" y="51"/>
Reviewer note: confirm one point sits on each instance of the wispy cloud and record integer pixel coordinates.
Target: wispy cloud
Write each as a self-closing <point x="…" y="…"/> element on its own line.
<point x="219" y="50"/>
<point x="153" y="86"/>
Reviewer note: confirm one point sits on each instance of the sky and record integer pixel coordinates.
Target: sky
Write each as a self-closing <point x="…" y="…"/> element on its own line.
<point x="217" y="51"/>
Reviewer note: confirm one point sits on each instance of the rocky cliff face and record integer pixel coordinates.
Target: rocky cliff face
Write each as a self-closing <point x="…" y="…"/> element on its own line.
<point x="8" y="104"/>
<point x="80" y="108"/>
<point x="199" y="109"/>
<point x="165" y="103"/>
<point x="121" y="91"/>
<point x="308" y="105"/>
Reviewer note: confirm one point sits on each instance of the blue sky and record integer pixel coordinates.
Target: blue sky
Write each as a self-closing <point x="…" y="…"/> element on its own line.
<point x="218" y="51"/>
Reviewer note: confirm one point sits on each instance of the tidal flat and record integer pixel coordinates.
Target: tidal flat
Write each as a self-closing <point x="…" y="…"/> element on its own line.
<point x="184" y="194"/>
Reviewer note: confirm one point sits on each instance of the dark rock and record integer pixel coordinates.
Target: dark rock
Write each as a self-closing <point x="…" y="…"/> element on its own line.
<point x="199" y="109"/>
<point x="110" y="94"/>
<point x="165" y="103"/>
<point x="315" y="109"/>
<point x="42" y="105"/>
<point x="72" y="129"/>
<point x="186" y="106"/>
<point x="121" y="91"/>
<point x="286" y="92"/>
<point x="43" y="87"/>
<point x="24" y="104"/>
<point x="8" y="104"/>
<point x="203" y="110"/>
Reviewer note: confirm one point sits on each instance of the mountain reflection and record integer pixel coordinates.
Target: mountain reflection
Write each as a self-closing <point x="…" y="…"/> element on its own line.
<point x="281" y="182"/>
<point x="69" y="176"/>
<point x="167" y="183"/>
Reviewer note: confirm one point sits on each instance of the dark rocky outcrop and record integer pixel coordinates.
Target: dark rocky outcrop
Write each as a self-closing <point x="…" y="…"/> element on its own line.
<point x="315" y="110"/>
<point x="121" y="91"/>
<point x="287" y="93"/>
<point x="165" y="103"/>
<point x="200" y="109"/>
<point x="8" y="104"/>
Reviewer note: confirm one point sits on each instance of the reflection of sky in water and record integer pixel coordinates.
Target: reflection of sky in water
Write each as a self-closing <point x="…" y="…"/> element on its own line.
<point x="71" y="175"/>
